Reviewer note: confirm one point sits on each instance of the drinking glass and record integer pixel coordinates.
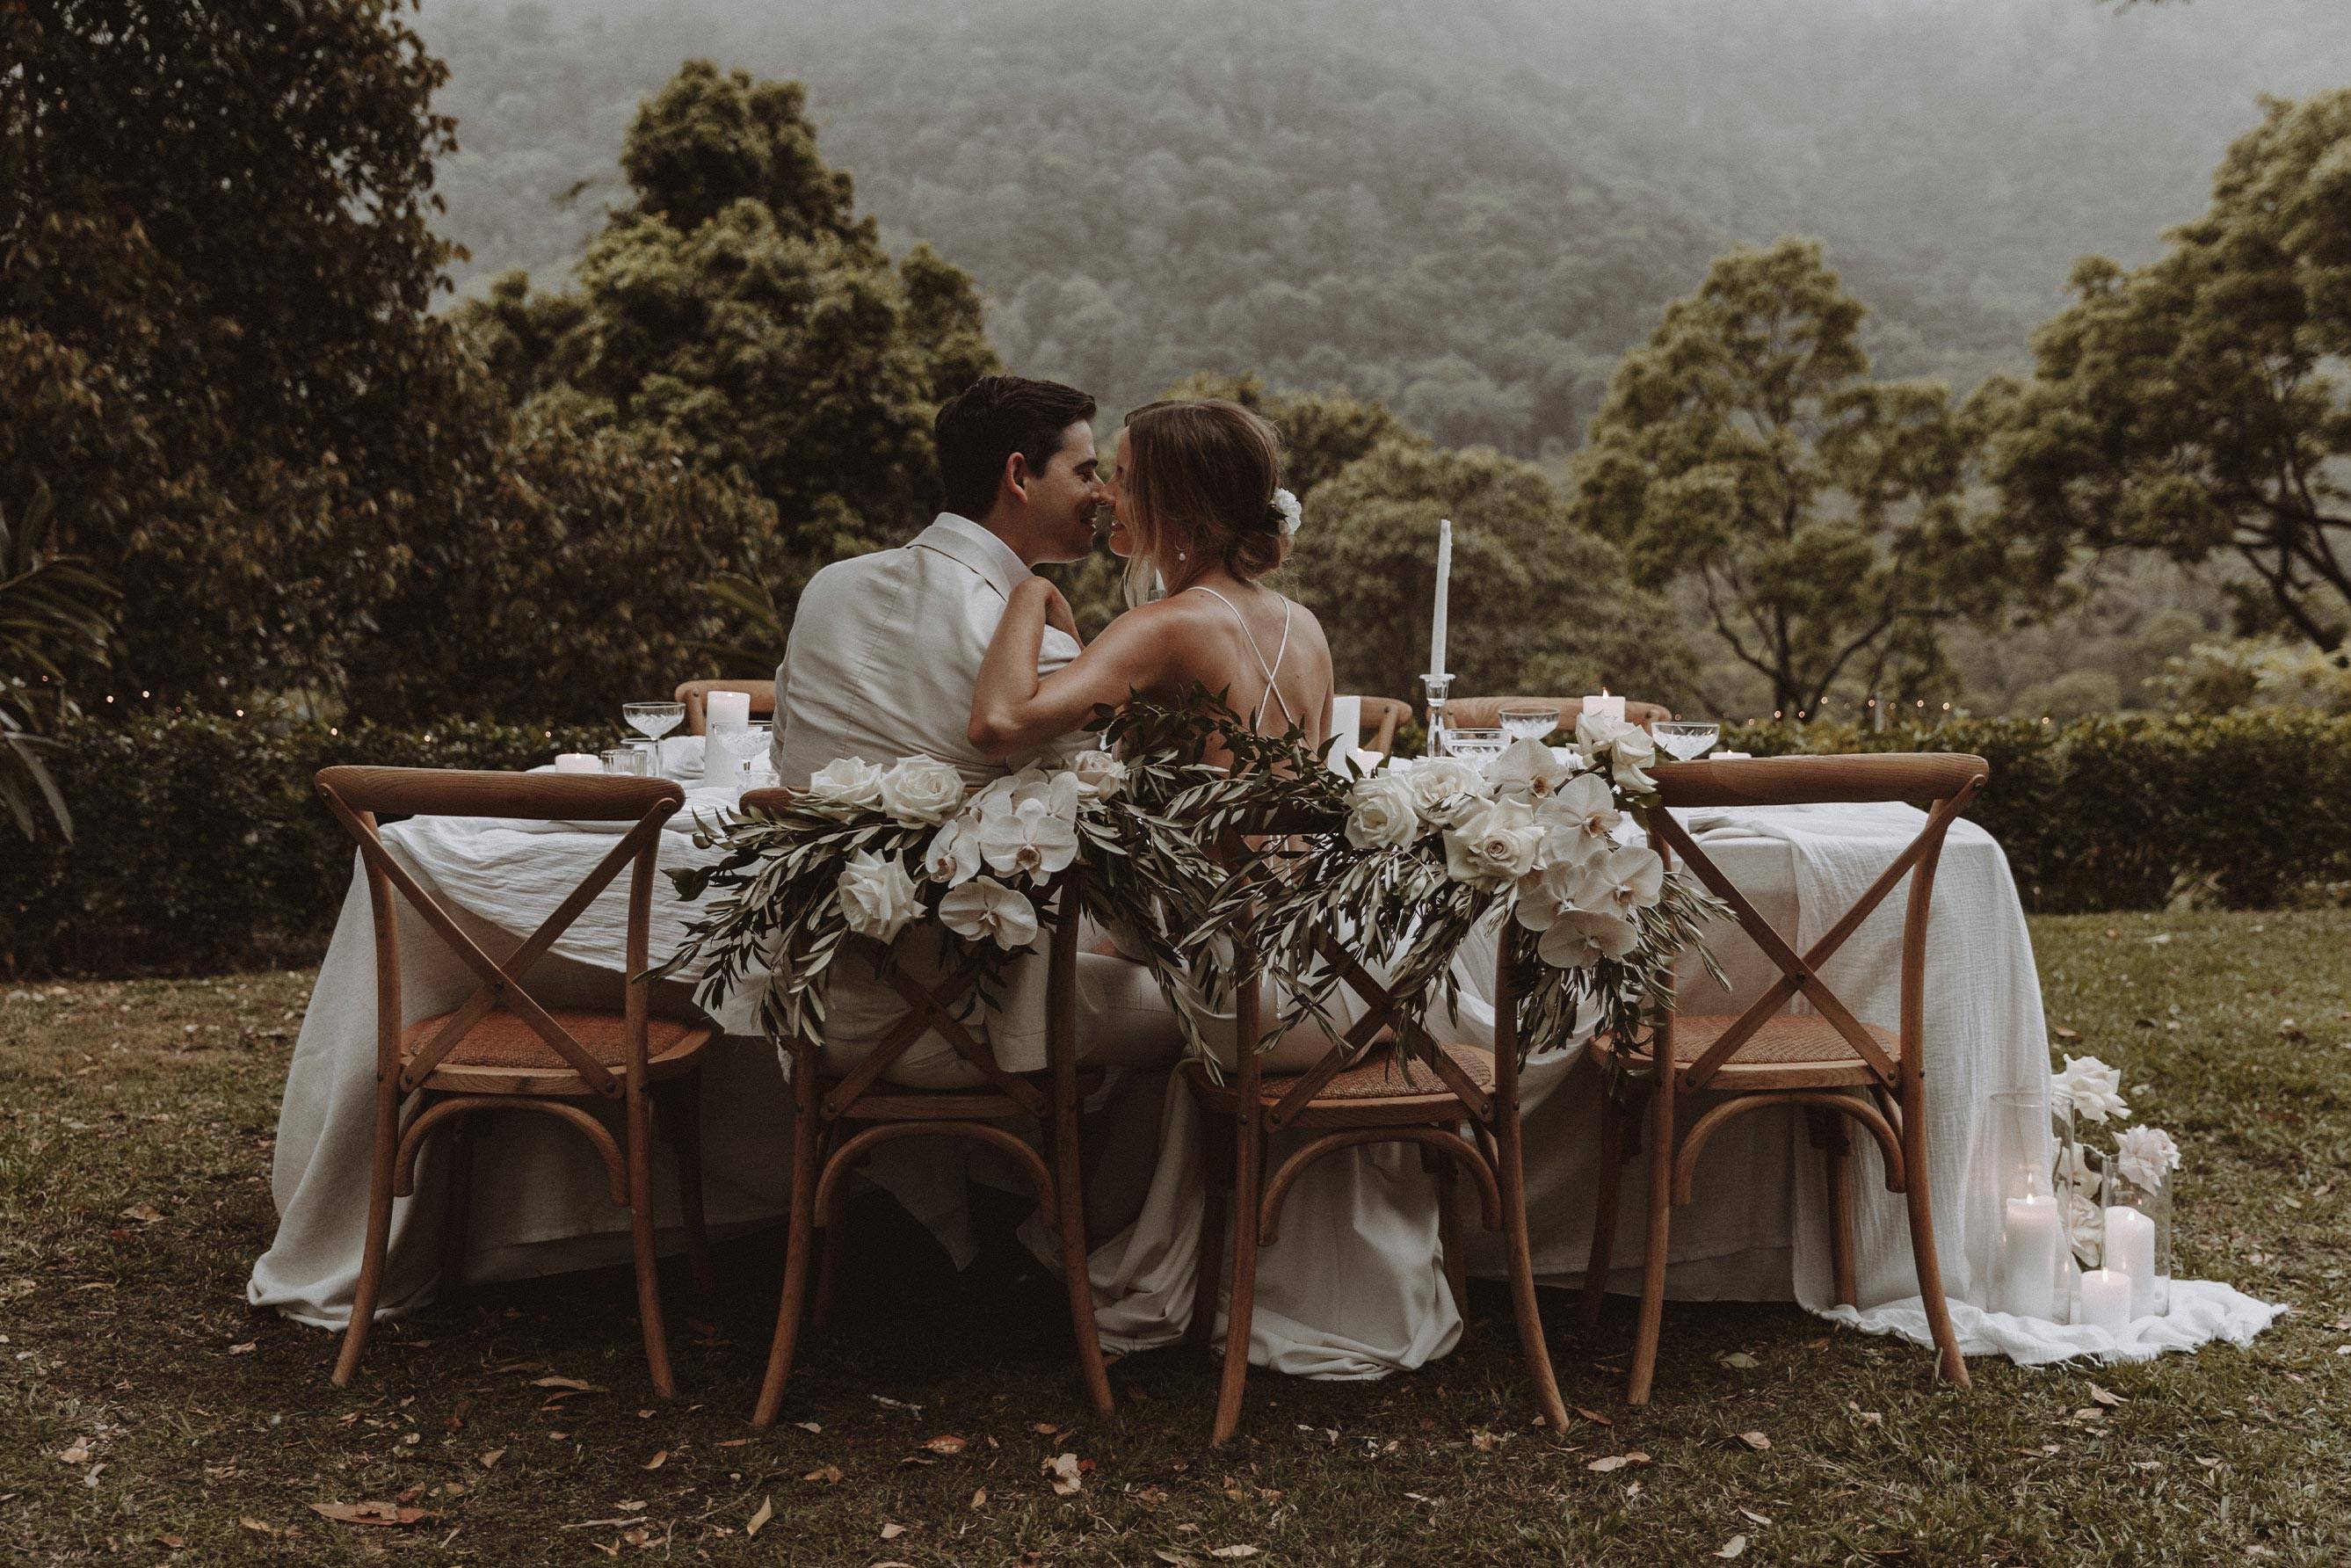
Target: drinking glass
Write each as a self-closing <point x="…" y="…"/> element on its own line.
<point x="741" y="744"/>
<point x="653" y="720"/>
<point x="1530" y="722"/>
<point x="623" y="759"/>
<point x="1479" y="746"/>
<point x="1684" y="740"/>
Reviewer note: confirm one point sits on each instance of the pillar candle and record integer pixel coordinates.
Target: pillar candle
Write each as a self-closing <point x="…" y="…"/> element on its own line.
<point x="2130" y="1249"/>
<point x="2106" y="1301"/>
<point x="727" y="707"/>
<point x="1443" y="590"/>
<point x="579" y="762"/>
<point x="2029" y="1250"/>
<point x="1346" y="730"/>
<point x="1606" y="706"/>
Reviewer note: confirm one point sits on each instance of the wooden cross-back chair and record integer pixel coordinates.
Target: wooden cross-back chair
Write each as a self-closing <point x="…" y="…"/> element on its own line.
<point x="1486" y="713"/>
<point x="838" y="1120"/>
<point x="695" y="696"/>
<point x="1828" y="1062"/>
<point x="1416" y="1089"/>
<point x="1380" y="717"/>
<point x="502" y="1049"/>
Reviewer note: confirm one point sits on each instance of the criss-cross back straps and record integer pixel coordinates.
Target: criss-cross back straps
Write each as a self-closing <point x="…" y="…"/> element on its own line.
<point x="1272" y="687"/>
<point x="1801" y="974"/>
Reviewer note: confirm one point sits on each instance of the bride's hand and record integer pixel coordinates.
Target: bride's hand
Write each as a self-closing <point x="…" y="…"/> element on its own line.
<point x="1058" y="613"/>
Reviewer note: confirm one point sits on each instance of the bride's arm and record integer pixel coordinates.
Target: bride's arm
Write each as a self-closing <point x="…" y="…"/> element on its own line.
<point x="1012" y="708"/>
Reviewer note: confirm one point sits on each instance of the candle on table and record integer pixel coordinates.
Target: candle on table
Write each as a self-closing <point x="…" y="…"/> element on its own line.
<point x="2106" y="1300"/>
<point x="2028" y="1248"/>
<point x="2130" y="1249"/>
<point x="1443" y="588"/>
<point x="1346" y="730"/>
<point x="579" y="762"/>
<point x="1606" y="706"/>
<point x="727" y="707"/>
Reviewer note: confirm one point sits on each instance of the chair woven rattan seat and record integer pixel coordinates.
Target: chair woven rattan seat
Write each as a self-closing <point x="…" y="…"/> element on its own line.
<point x="1381" y="1077"/>
<point x="1792" y="1050"/>
<point x="504" y="1045"/>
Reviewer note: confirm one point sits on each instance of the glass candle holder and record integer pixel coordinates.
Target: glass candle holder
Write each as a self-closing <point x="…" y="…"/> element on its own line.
<point x="2025" y="1255"/>
<point x="2138" y="1239"/>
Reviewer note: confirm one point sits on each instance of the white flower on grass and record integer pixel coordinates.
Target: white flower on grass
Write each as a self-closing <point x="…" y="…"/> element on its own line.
<point x="1581" y="810"/>
<point x="1633" y="878"/>
<point x="953" y="854"/>
<point x="1099" y="774"/>
<point x="877" y="896"/>
<point x="2089" y="1089"/>
<point x="1032" y="839"/>
<point x="1382" y="811"/>
<point x="2143" y="1154"/>
<point x="1528" y="771"/>
<point x="1443" y="787"/>
<point x="1578" y="939"/>
<point x="847" y="781"/>
<point x="918" y="789"/>
<point x="986" y="909"/>
<point x="1492" y="844"/>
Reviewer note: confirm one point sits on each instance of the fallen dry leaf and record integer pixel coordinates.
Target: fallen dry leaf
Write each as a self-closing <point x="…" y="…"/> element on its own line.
<point x="661" y="1457"/>
<point x="490" y="1457"/>
<point x="1618" y="1461"/>
<point x="830" y="1475"/>
<point x="174" y="1541"/>
<point x="77" y="1454"/>
<point x="246" y="1521"/>
<point x="2062" y="1032"/>
<point x="946" y="1443"/>
<point x="1177" y="1558"/>
<point x="807" y="1426"/>
<point x="1593" y="1416"/>
<point x="979" y="1497"/>
<point x="1236" y="1550"/>
<point x="1757" y="1517"/>
<point x="892" y="1531"/>
<point x="367" y="1512"/>
<point x="1755" y="1440"/>
<point x="765" y="1512"/>
<point x="1740" y="1359"/>
<point x="144" y="1213"/>
<point x="247" y="1348"/>
<point x="1734" y="1547"/>
<point x="552" y="1381"/>
<point x="2105" y="1395"/>
<point x="1061" y="1470"/>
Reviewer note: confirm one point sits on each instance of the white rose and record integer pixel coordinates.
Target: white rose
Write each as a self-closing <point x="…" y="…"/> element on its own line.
<point x="847" y="781"/>
<point x="877" y="896"/>
<point x="2144" y="1155"/>
<point x="1492" y="844"/>
<point x="1578" y="939"/>
<point x="953" y="854"/>
<point x="1382" y="811"/>
<point x="1099" y="775"/>
<point x="1633" y="878"/>
<point x="1583" y="816"/>
<point x="985" y="907"/>
<point x="921" y="789"/>
<point x="1596" y="732"/>
<point x="1031" y="839"/>
<point x="1528" y="771"/>
<point x="2089" y="1089"/>
<point x="1442" y="787"/>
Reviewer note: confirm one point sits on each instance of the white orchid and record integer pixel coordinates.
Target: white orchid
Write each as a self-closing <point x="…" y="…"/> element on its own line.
<point x="847" y="781"/>
<point x="1630" y="756"/>
<point x="2088" y="1088"/>
<point x="920" y="790"/>
<point x="2143" y="1154"/>
<point x="953" y="854"/>
<point x="1578" y="939"/>
<point x="1382" y="811"/>
<point x="1036" y="838"/>
<point x="1548" y="892"/>
<point x="1632" y="878"/>
<point x="1528" y="771"/>
<point x="877" y="896"/>
<point x="986" y="909"/>
<point x="1099" y="774"/>
<point x="1492" y="844"/>
<point x="1583" y="808"/>
<point x="1596" y="732"/>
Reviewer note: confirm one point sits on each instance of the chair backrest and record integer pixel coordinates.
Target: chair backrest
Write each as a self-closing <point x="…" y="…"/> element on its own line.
<point x="1380" y="717"/>
<point x="933" y="1008"/>
<point x="1940" y="783"/>
<point x="1486" y="713"/>
<point x="695" y="696"/>
<point x="359" y="796"/>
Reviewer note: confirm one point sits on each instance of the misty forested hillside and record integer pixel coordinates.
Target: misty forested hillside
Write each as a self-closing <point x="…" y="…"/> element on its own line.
<point x="1469" y="211"/>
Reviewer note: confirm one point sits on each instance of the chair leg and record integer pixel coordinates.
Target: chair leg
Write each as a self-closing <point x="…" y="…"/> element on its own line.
<point x="1830" y="1136"/>
<point x="1216" y="1166"/>
<point x="681" y="1112"/>
<point x="457" y="1207"/>
<point x="1451" y="1251"/>
<point x="1954" y="1365"/>
<point x="799" y="1236"/>
<point x="1653" y="1265"/>
<point x="379" y="1230"/>
<point x="828" y="1242"/>
<point x="1069" y="1198"/>
<point x="1510" y="1175"/>
<point x="1613" y="1116"/>
<point x="638" y="1114"/>
<point x="1248" y="1171"/>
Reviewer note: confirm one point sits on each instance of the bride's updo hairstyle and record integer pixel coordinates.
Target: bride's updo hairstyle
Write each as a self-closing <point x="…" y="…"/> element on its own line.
<point x="1200" y="474"/>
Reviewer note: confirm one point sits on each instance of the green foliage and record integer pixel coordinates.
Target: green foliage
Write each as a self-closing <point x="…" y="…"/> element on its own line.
<point x="739" y="310"/>
<point x="2195" y="405"/>
<point x="2216" y="677"/>
<point x="1532" y="590"/>
<point x="1819" y="513"/>
<point x="52" y="614"/>
<point x="1321" y="432"/>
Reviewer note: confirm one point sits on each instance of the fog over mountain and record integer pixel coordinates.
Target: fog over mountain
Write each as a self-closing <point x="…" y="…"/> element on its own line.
<point x="1470" y="210"/>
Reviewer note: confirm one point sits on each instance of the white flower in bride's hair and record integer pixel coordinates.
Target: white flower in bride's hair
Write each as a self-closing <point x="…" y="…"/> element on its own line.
<point x="1492" y="844"/>
<point x="1528" y="771"/>
<point x="877" y="896"/>
<point x="1287" y="512"/>
<point x="986" y="909"/>
<point x="953" y="854"/>
<point x="921" y="789"/>
<point x="1032" y="839"/>
<point x="2088" y="1088"/>
<point x="1099" y="774"/>
<point x="1578" y="939"/>
<point x="2143" y="1154"/>
<point x="1633" y="878"/>
<point x="847" y="781"/>
<point x="1382" y="811"/>
<point x="1443" y="787"/>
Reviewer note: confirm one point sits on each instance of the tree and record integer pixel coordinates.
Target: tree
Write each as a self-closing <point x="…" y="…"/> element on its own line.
<point x="215" y="352"/>
<point x="2195" y="405"/>
<point x="1533" y="596"/>
<point x="1321" y="432"/>
<point x="52" y="617"/>
<point x="1819" y="513"/>
<point x="739" y="310"/>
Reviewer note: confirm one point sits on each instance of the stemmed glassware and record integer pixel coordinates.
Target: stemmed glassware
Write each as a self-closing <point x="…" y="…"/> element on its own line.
<point x="653" y="720"/>
<point x="1686" y="740"/>
<point x="743" y="745"/>
<point x="1532" y="721"/>
<point x="1477" y="746"/>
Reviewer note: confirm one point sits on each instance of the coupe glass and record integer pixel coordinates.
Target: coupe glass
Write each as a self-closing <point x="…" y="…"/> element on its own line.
<point x="1685" y="741"/>
<point x="1478" y="746"/>
<point x="653" y="720"/>
<point x="742" y="744"/>
<point x="1530" y="722"/>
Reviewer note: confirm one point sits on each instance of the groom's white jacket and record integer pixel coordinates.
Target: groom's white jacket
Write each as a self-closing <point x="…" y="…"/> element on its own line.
<point x="885" y="650"/>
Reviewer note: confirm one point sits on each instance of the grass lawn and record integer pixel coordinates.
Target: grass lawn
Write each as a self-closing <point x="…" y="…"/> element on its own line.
<point x="147" y="1415"/>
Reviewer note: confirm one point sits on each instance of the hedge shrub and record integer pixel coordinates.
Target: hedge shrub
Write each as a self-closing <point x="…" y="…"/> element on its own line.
<point x="201" y="844"/>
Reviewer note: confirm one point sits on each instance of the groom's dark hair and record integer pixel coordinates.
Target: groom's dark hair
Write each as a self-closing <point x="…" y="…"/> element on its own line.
<point x="982" y="425"/>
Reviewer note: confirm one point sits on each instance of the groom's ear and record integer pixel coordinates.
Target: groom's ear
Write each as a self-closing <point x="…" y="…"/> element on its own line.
<point x="1016" y="475"/>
